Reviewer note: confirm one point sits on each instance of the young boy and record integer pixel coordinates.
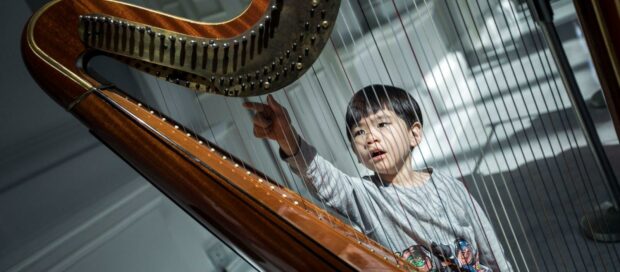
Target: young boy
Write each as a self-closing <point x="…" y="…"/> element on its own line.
<point x="414" y="213"/>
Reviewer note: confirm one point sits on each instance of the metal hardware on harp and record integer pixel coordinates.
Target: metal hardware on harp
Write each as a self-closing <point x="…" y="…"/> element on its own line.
<point x="274" y="58"/>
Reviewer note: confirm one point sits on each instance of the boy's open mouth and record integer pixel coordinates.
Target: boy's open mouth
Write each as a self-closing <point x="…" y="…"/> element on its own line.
<point x="377" y="154"/>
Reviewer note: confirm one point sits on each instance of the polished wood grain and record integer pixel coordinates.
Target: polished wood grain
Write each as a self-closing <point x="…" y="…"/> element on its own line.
<point x="272" y="226"/>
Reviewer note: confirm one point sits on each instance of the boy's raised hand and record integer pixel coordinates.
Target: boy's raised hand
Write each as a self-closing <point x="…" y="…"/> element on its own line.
<point x="271" y="121"/>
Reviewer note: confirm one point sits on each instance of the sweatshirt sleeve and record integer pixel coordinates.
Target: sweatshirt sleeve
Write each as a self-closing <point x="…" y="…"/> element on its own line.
<point x="324" y="180"/>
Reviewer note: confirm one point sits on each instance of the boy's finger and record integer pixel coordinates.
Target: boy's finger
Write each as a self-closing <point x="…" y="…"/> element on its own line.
<point x="274" y="105"/>
<point x="258" y="107"/>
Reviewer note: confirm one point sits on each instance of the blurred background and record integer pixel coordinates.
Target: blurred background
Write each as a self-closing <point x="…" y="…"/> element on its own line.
<point x="496" y="114"/>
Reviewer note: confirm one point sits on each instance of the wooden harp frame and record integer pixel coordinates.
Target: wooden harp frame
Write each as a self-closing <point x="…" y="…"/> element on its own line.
<point x="272" y="226"/>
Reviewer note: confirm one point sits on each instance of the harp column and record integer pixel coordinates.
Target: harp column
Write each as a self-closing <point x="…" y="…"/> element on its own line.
<point x="603" y="227"/>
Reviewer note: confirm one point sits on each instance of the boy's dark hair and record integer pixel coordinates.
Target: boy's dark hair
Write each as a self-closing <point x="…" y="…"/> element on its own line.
<point x="374" y="98"/>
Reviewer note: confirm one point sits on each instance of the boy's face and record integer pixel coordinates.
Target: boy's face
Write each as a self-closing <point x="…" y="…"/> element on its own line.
<point x="383" y="141"/>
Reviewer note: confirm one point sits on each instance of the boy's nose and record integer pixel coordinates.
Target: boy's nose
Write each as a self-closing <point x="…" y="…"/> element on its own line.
<point x="371" y="138"/>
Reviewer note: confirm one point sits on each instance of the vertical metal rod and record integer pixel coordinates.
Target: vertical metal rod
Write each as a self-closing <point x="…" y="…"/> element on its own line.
<point x="543" y="15"/>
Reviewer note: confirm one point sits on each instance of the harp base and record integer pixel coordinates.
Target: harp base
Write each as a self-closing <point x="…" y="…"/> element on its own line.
<point x="602" y="225"/>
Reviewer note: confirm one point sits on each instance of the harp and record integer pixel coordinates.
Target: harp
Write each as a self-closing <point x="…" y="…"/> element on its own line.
<point x="221" y="192"/>
<point x="206" y="182"/>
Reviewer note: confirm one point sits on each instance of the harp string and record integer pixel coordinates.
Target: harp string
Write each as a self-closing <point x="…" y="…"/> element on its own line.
<point x="385" y="66"/>
<point x="383" y="228"/>
<point x="580" y="155"/>
<point x="192" y="127"/>
<point x="436" y="83"/>
<point x="505" y="159"/>
<point x="173" y="100"/>
<point x="368" y="47"/>
<point x="331" y="110"/>
<point x="526" y="169"/>
<point x="476" y="137"/>
<point x="555" y="132"/>
<point x="288" y="142"/>
<point x="546" y="107"/>
<point x="546" y="133"/>
<point x="391" y="80"/>
<point x="163" y="98"/>
<point x="254" y="151"/>
<point x="323" y="94"/>
<point x="538" y="42"/>
<point x="432" y="101"/>
<point x="370" y="203"/>
<point x="521" y="170"/>
<point x="279" y="167"/>
<point x="302" y="133"/>
<point x="547" y="164"/>
<point x="527" y="139"/>
<point x="518" y="218"/>
<point x="288" y="183"/>
<point x="342" y="137"/>
<point x="234" y="120"/>
<point x="468" y="142"/>
<point x="322" y="203"/>
<point x="388" y="73"/>
<point x="347" y="216"/>
<point x="359" y="238"/>
<point x="209" y="127"/>
<point x="228" y="106"/>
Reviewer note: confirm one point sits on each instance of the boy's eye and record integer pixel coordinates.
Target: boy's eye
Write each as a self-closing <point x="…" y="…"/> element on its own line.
<point x="383" y="124"/>
<point x="359" y="132"/>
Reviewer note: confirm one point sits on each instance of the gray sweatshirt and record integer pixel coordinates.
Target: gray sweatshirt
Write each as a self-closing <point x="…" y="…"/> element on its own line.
<point x="438" y="211"/>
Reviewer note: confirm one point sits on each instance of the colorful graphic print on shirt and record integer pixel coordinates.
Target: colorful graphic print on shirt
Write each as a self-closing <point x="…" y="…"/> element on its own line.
<point x="460" y="256"/>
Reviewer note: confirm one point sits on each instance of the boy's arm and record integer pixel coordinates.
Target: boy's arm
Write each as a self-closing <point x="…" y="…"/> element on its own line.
<point x="271" y="121"/>
<point x="324" y="180"/>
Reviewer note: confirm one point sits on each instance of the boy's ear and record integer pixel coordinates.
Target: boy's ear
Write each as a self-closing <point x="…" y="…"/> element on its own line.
<point x="415" y="132"/>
